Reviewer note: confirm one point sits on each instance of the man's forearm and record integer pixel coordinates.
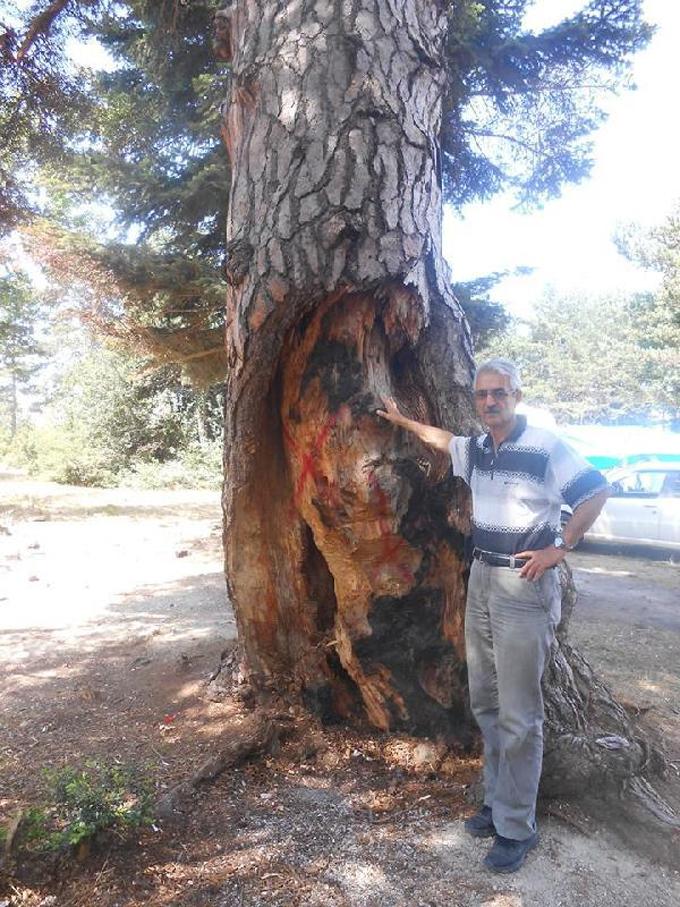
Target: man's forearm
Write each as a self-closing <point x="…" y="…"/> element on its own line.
<point x="428" y="434"/>
<point x="583" y="518"/>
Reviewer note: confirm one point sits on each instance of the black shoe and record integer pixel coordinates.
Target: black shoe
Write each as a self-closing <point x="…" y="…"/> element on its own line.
<point x="481" y="824"/>
<point x="507" y="855"/>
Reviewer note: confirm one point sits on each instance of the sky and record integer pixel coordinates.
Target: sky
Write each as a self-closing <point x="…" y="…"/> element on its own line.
<point x="635" y="179"/>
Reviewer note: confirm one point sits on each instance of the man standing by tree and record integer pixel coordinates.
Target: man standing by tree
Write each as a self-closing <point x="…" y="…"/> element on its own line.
<point x="519" y="476"/>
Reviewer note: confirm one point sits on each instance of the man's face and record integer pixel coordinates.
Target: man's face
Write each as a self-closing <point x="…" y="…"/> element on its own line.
<point x="494" y="401"/>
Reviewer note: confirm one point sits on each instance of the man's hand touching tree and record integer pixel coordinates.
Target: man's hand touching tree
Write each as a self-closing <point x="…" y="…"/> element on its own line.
<point x="428" y="434"/>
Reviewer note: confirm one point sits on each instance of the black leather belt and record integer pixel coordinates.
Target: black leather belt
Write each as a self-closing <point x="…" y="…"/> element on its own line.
<point x="498" y="560"/>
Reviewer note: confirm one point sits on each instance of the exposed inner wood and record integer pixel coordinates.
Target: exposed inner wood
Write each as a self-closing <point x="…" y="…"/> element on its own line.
<point x="376" y="503"/>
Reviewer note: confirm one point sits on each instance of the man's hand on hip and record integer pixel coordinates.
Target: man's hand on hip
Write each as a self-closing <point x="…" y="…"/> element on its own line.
<point x="537" y="562"/>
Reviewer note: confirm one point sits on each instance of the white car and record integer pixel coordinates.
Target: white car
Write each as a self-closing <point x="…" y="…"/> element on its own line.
<point x="644" y="506"/>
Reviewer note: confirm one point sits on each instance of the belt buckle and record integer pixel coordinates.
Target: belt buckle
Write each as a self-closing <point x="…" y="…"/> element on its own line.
<point x="511" y="561"/>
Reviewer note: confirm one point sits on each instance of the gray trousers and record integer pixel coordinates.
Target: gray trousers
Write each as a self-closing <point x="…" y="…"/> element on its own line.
<point x="510" y="626"/>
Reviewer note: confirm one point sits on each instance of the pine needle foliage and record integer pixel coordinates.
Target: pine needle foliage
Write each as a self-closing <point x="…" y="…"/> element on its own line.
<point x="519" y="112"/>
<point x="521" y="106"/>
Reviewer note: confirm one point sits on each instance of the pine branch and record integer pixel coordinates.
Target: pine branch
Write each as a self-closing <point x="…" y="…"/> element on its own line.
<point x="40" y="26"/>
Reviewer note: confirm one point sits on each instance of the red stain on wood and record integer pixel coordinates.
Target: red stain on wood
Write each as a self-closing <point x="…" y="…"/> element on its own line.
<point x="308" y="458"/>
<point x="392" y="544"/>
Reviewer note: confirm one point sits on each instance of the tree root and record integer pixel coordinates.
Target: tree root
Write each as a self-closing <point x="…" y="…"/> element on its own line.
<point x="11" y="831"/>
<point x="642" y="792"/>
<point x="244" y="737"/>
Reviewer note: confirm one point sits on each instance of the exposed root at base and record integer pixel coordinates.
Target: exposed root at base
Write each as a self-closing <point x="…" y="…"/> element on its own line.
<point x="244" y="737"/>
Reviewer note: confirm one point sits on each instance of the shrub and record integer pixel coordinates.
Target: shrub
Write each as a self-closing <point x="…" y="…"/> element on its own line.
<point x="198" y="465"/>
<point x="84" y="802"/>
<point x="50" y="452"/>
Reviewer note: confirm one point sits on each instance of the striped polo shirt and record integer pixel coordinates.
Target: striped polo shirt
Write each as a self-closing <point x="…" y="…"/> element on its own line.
<point x="518" y="490"/>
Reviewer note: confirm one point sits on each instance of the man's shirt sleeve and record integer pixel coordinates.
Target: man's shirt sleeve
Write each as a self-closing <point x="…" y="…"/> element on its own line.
<point x="576" y="479"/>
<point x="460" y="449"/>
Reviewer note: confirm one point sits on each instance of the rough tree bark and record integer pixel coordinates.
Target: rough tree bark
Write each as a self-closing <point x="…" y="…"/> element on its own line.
<point x="344" y="540"/>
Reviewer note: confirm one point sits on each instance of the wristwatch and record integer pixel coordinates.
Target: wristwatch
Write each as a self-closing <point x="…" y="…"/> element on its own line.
<point x="560" y="543"/>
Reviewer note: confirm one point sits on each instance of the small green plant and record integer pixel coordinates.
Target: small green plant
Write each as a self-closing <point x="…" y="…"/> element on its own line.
<point x="84" y="802"/>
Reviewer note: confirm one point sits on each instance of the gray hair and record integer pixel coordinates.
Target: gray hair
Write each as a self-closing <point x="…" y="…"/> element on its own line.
<point x="504" y="367"/>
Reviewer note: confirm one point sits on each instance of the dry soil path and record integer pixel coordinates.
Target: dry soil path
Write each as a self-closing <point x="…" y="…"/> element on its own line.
<point x="113" y="612"/>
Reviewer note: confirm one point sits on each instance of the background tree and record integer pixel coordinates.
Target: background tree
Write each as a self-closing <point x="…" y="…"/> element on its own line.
<point x="660" y="318"/>
<point x="43" y="99"/>
<point x="107" y="420"/>
<point x="595" y="359"/>
<point x="21" y="352"/>
<point x="165" y="180"/>
<point x="485" y="317"/>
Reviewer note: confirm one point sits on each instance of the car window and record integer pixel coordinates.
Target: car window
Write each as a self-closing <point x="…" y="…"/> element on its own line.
<point x="671" y="486"/>
<point x="640" y="484"/>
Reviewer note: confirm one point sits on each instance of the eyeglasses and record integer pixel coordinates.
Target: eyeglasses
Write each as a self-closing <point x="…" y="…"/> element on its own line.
<point x="498" y="393"/>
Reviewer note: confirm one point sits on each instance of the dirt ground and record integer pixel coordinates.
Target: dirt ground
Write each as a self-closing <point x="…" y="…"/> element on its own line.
<point x="112" y="615"/>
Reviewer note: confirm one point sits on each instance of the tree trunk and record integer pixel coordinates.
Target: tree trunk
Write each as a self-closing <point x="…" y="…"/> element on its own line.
<point x="344" y="539"/>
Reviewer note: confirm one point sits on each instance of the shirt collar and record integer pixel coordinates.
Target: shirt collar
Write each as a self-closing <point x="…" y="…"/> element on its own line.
<point x="520" y="425"/>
